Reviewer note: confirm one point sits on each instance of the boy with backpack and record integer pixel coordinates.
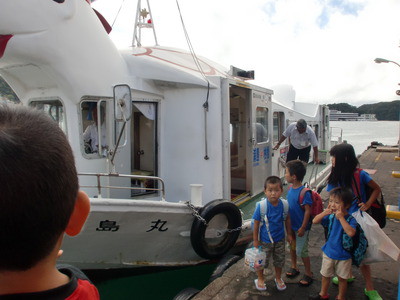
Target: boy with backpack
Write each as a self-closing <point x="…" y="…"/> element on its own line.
<point x="269" y="233"/>
<point x="300" y="219"/>
<point x="342" y="228"/>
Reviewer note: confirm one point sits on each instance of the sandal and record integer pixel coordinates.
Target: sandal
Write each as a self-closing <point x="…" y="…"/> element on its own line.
<point x="335" y="280"/>
<point x="318" y="297"/>
<point x="280" y="286"/>
<point x="372" y="295"/>
<point x="306" y="279"/>
<point x="259" y="288"/>
<point x="292" y="273"/>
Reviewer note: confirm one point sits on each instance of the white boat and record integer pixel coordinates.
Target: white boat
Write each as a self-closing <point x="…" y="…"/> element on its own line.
<point x="180" y="133"/>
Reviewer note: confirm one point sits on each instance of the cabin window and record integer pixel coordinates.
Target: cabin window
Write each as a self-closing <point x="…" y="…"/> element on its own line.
<point x="278" y="124"/>
<point x="94" y="144"/>
<point x="261" y="124"/>
<point x="55" y="109"/>
<point x="144" y="146"/>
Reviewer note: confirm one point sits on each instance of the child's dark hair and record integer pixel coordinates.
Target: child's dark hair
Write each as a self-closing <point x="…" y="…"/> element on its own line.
<point x="346" y="163"/>
<point x="343" y="193"/>
<point x="273" y="180"/>
<point x="39" y="186"/>
<point x="298" y="168"/>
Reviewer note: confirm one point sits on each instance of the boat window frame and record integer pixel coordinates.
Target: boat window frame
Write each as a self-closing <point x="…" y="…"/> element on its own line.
<point x="278" y="116"/>
<point x="258" y="118"/>
<point x="64" y="128"/>
<point x="108" y="101"/>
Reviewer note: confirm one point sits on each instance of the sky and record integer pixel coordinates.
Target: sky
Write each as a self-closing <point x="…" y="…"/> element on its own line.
<point x="324" y="49"/>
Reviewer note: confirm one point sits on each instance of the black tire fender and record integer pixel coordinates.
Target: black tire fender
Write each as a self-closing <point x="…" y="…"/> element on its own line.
<point x="186" y="294"/>
<point x="224" y="264"/>
<point x="198" y="230"/>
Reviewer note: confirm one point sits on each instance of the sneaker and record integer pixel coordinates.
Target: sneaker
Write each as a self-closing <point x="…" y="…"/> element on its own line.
<point x="318" y="297"/>
<point x="335" y="280"/>
<point x="372" y="295"/>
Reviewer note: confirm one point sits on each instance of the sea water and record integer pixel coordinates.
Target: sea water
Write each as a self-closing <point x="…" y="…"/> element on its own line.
<point x="150" y="284"/>
<point x="361" y="133"/>
<point x="167" y="283"/>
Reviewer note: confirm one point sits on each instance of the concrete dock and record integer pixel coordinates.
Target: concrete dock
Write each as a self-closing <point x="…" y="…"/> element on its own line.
<point x="238" y="282"/>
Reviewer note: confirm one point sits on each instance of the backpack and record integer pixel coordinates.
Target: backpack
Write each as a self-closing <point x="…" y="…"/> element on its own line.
<point x="377" y="209"/>
<point x="263" y="213"/>
<point x="356" y="245"/>
<point x="317" y="207"/>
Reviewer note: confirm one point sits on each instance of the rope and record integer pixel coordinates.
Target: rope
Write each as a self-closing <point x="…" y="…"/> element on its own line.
<point x="112" y="25"/>
<point x="200" y="69"/>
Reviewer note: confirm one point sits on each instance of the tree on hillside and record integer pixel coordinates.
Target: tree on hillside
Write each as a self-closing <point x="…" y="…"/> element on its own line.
<point x="389" y="111"/>
<point x="343" y="107"/>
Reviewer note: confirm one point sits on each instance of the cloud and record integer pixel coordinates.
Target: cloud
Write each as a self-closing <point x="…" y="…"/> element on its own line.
<point x="324" y="48"/>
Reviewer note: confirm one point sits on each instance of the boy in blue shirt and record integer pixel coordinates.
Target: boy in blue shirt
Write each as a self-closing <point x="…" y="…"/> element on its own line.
<point x="269" y="231"/>
<point x="335" y="258"/>
<point x="300" y="221"/>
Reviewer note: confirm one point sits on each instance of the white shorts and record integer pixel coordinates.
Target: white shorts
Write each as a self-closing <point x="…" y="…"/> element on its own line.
<point x="330" y="266"/>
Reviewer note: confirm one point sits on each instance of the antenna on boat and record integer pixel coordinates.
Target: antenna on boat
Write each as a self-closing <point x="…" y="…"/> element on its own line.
<point x="144" y="19"/>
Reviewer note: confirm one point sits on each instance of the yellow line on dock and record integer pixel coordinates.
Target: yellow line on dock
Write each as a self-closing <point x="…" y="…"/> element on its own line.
<point x="392" y="212"/>
<point x="378" y="157"/>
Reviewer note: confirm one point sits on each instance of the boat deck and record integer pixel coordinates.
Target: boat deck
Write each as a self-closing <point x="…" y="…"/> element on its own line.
<point x="238" y="282"/>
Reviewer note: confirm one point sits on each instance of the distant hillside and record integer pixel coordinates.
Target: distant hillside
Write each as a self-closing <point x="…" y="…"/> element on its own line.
<point x="384" y="111"/>
<point x="6" y="91"/>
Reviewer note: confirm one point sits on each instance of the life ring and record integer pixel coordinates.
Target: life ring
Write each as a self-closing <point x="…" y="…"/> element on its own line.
<point x="211" y="249"/>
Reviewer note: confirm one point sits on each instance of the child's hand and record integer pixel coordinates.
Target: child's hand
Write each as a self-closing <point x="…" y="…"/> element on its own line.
<point x="339" y="213"/>
<point x="363" y="206"/>
<point x="301" y="231"/>
<point x="256" y="244"/>
<point x="289" y="239"/>
<point x="328" y="210"/>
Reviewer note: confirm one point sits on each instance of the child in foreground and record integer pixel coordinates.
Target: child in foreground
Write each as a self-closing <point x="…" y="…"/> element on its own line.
<point x="271" y="236"/>
<point x="344" y="166"/>
<point x="335" y="258"/>
<point x="39" y="202"/>
<point x="300" y="221"/>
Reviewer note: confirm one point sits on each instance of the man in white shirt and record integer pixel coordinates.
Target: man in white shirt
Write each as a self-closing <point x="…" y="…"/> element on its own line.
<point x="90" y="135"/>
<point x="301" y="138"/>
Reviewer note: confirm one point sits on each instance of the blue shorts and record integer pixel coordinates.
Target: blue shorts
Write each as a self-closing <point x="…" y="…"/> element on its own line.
<point x="301" y="244"/>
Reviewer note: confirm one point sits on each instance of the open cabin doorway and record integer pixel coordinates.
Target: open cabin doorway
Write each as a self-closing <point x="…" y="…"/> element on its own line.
<point x="250" y="140"/>
<point x="239" y="104"/>
<point x="144" y="146"/>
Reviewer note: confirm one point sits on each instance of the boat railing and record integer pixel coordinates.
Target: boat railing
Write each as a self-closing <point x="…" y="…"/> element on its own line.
<point x="100" y="186"/>
<point x="336" y="134"/>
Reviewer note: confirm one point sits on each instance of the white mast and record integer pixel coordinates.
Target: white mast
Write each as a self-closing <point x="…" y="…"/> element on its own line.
<point x="144" y="19"/>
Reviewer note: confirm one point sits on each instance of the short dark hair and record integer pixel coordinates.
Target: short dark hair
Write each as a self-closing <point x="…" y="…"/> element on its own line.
<point x="298" y="168"/>
<point x="273" y="180"/>
<point x="39" y="186"/>
<point x="343" y="193"/>
<point x="301" y="123"/>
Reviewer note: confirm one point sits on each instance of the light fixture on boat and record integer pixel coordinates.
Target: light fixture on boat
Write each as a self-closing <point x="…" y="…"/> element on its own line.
<point x="241" y="73"/>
